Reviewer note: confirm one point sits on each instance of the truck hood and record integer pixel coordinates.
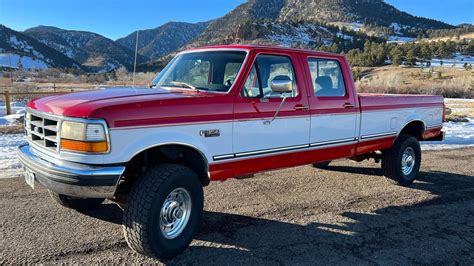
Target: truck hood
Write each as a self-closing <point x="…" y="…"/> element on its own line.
<point x="83" y="104"/>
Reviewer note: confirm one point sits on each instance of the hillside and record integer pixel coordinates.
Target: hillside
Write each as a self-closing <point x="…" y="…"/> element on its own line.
<point x="309" y="21"/>
<point x="93" y="51"/>
<point x="157" y="42"/>
<point x="22" y="51"/>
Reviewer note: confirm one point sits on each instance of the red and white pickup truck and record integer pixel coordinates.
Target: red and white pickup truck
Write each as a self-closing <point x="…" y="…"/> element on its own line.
<point x="215" y="113"/>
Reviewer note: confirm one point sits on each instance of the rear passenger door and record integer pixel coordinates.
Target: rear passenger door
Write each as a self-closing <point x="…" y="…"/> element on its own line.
<point x="333" y="105"/>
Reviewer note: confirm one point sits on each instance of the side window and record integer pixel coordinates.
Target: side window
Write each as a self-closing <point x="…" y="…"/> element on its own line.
<point x="327" y="78"/>
<point x="265" y="69"/>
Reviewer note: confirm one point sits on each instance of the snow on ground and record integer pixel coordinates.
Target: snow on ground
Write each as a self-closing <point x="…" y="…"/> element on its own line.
<point x="17" y="109"/>
<point x="400" y="39"/>
<point x="27" y="62"/>
<point x="9" y="164"/>
<point x="458" y="135"/>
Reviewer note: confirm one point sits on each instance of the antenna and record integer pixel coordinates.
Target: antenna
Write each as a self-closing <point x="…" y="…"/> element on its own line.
<point x="135" y="62"/>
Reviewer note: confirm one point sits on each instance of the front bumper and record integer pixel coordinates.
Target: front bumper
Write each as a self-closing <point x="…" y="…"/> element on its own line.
<point x="72" y="179"/>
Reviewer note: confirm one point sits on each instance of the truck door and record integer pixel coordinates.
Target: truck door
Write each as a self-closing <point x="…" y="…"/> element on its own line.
<point x="268" y="133"/>
<point x="333" y="106"/>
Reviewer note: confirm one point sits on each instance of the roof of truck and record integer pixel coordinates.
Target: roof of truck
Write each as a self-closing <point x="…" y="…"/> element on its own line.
<point x="266" y="47"/>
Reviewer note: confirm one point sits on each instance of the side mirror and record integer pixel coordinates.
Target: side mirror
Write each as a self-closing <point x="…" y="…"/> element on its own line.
<point x="281" y="84"/>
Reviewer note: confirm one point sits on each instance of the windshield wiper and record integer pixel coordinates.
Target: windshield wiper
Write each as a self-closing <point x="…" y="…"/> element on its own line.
<point x="184" y="84"/>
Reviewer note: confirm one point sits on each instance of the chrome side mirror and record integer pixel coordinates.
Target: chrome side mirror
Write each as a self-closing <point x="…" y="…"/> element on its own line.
<point x="281" y="84"/>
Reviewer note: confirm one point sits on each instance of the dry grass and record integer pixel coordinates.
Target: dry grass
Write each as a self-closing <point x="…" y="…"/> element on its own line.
<point x="449" y="82"/>
<point x="11" y="129"/>
<point x="459" y="111"/>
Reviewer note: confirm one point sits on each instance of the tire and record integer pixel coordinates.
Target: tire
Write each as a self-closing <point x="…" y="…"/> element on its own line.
<point x="321" y="165"/>
<point x="79" y="204"/>
<point x="143" y="215"/>
<point x="393" y="160"/>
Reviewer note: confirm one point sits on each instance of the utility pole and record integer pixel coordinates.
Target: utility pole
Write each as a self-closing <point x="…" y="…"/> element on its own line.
<point x="135" y="62"/>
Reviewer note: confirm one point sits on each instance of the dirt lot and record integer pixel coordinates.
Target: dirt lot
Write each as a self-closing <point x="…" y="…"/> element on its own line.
<point x="345" y="215"/>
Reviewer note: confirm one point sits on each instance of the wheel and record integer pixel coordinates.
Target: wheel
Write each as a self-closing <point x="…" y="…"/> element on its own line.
<point x="321" y="165"/>
<point x="401" y="163"/>
<point x="164" y="211"/>
<point x="80" y="204"/>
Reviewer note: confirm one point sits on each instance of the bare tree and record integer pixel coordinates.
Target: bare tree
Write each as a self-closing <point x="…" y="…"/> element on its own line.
<point x="122" y="75"/>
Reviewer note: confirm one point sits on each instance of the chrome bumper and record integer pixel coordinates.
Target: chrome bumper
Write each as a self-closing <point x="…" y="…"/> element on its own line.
<point x="72" y="179"/>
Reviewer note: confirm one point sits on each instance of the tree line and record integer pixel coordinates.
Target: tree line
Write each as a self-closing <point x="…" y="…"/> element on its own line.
<point x="377" y="54"/>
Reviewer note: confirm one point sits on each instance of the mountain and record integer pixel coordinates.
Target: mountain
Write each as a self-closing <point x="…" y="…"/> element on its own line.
<point x="318" y="21"/>
<point x="93" y="51"/>
<point x="157" y="42"/>
<point x="20" y="50"/>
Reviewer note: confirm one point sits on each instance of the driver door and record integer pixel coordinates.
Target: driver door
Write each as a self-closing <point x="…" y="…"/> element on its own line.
<point x="261" y="142"/>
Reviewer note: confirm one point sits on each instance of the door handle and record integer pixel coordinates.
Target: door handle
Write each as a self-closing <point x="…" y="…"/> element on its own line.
<point x="348" y="105"/>
<point x="301" y="107"/>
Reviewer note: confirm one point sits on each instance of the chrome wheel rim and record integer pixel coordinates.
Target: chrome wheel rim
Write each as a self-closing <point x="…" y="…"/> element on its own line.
<point x="408" y="161"/>
<point x="175" y="213"/>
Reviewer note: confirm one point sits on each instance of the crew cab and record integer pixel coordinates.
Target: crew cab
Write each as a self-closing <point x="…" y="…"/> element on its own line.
<point x="211" y="114"/>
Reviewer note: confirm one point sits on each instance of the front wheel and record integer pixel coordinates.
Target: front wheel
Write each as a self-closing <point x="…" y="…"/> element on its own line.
<point x="401" y="163"/>
<point x="163" y="211"/>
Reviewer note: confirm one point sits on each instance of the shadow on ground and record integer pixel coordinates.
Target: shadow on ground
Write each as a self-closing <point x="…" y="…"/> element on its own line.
<point x="441" y="227"/>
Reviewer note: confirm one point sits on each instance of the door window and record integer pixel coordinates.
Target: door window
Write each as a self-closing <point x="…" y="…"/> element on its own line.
<point x="327" y="78"/>
<point x="265" y="69"/>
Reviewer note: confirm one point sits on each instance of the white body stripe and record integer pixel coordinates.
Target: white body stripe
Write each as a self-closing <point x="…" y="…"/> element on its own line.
<point x="257" y="135"/>
<point x="384" y="121"/>
<point x="246" y="138"/>
<point x="333" y="127"/>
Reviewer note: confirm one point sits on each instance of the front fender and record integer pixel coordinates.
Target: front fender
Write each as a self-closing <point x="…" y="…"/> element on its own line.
<point x="126" y="143"/>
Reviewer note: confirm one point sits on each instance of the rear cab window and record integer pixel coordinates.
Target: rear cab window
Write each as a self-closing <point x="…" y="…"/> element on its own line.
<point x="327" y="78"/>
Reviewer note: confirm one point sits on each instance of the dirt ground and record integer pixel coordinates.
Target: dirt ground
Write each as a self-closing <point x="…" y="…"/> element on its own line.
<point x="345" y="215"/>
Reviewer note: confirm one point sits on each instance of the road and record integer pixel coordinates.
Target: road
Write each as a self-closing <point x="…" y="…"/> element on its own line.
<point x="345" y="215"/>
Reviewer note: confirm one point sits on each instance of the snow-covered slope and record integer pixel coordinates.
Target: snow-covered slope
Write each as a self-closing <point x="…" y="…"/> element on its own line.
<point x="93" y="51"/>
<point x="20" y="51"/>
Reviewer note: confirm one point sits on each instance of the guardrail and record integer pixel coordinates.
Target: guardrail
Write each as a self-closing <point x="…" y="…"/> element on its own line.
<point x="25" y="97"/>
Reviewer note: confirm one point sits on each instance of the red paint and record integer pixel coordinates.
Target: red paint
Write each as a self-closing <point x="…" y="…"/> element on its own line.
<point x="373" y="102"/>
<point x="366" y="146"/>
<point x="245" y="166"/>
<point x="431" y="133"/>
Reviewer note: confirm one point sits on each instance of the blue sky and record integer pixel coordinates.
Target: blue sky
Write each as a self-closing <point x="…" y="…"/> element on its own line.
<point x="117" y="18"/>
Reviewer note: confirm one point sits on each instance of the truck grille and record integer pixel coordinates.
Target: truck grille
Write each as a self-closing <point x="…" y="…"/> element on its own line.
<point x="42" y="130"/>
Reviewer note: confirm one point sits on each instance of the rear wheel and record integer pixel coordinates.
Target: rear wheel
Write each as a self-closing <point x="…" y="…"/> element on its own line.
<point x="401" y="163"/>
<point x="80" y="204"/>
<point x="163" y="212"/>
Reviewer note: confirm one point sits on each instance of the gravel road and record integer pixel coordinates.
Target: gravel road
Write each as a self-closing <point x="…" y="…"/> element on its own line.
<point x="345" y="215"/>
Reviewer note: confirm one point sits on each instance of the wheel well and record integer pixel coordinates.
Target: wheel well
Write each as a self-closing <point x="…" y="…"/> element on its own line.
<point x="414" y="128"/>
<point x="172" y="153"/>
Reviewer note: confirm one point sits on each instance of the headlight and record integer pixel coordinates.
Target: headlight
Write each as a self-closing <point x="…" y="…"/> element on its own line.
<point x="83" y="137"/>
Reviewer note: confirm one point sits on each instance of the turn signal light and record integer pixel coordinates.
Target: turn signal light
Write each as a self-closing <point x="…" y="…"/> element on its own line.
<point x="84" y="146"/>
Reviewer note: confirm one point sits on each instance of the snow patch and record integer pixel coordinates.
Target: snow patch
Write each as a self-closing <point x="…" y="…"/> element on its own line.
<point x="9" y="165"/>
<point x="400" y="39"/>
<point x="458" y="135"/>
<point x="26" y="61"/>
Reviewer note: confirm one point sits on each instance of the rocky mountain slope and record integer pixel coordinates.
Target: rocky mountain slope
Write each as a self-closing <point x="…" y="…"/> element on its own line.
<point x="93" y="51"/>
<point x="317" y="21"/>
<point x="21" y="51"/>
<point x="157" y="42"/>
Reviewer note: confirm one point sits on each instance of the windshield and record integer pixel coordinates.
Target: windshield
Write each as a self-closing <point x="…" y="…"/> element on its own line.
<point x="205" y="70"/>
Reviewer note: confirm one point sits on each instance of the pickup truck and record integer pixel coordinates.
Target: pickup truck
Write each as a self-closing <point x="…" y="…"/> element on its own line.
<point x="215" y="113"/>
